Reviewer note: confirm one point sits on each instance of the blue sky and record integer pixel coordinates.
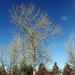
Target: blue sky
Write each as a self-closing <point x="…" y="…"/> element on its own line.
<point x="62" y="12"/>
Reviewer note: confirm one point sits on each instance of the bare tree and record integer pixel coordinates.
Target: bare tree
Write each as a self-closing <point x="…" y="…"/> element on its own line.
<point x="70" y="47"/>
<point x="1" y="56"/>
<point x="36" y="27"/>
<point x="15" y="47"/>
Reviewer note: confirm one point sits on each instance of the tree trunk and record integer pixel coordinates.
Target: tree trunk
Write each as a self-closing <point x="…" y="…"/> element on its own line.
<point x="34" y="72"/>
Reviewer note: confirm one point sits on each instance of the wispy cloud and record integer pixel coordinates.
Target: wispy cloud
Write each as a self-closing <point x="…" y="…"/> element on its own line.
<point x="64" y="18"/>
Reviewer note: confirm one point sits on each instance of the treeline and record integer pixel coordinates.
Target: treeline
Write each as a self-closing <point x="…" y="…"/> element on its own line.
<point x="28" y="70"/>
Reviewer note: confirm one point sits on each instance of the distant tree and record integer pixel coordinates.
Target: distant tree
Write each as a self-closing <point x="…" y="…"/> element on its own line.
<point x="36" y="27"/>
